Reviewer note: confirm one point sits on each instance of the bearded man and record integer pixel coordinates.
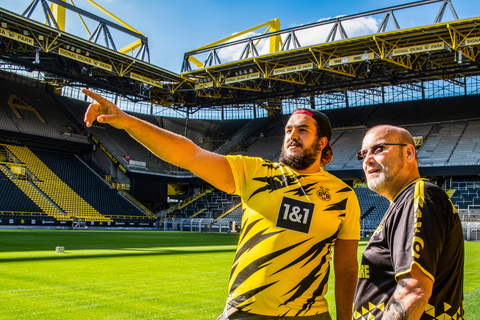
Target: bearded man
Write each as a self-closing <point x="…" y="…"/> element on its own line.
<point x="295" y="214"/>
<point x="412" y="266"/>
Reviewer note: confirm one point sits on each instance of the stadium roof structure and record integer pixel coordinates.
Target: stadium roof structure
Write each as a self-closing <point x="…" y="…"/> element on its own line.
<point x="70" y="60"/>
<point x="401" y="57"/>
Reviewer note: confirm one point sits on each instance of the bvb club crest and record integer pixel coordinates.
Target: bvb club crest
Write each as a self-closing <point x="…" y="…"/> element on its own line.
<point x="324" y="194"/>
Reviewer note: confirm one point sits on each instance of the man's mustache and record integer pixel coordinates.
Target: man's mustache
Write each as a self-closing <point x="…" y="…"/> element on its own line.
<point x="294" y="143"/>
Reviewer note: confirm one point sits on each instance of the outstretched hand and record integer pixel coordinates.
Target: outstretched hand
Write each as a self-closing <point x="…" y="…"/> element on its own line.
<point x="166" y="145"/>
<point x="103" y="111"/>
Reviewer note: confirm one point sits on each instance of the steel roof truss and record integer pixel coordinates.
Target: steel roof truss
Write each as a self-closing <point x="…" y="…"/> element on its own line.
<point x="385" y="50"/>
<point x="333" y="32"/>
<point x="458" y="42"/>
<point x="322" y="63"/>
<point x="383" y="24"/>
<point x="439" y="16"/>
<point x="291" y="38"/>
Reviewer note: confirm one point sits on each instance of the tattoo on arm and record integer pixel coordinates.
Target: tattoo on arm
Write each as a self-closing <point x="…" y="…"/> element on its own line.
<point x="395" y="311"/>
<point x="403" y="281"/>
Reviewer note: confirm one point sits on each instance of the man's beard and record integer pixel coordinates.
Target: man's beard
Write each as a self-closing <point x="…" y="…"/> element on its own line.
<point x="383" y="179"/>
<point x="378" y="183"/>
<point x="304" y="159"/>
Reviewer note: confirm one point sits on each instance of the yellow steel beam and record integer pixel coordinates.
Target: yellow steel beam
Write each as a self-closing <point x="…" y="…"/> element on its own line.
<point x="213" y="93"/>
<point x="121" y="70"/>
<point x="385" y="49"/>
<point x="265" y="72"/>
<point x="114" y="17"/>
<point x="219" y="83"/>
<point x="132" y="46"/>
<point x="174" y="86"/>
<point x="321" y="63"/>
<point x="288" y="78"/>
<point x="83" y="22"/>
<point x="273" y="25"/>
<point x="242" y="87"/>
<point x="275" y="40"/>
<point x="195" y="61"/>
<point x="59" y="15"/>
<point x="458" y="39"/>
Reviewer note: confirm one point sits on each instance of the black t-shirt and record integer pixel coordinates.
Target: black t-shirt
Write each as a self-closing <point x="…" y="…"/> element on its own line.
<point x="421" y="227"/>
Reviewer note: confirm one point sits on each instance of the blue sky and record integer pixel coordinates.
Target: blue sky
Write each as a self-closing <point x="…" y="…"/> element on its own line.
<point x="175" y="27"/>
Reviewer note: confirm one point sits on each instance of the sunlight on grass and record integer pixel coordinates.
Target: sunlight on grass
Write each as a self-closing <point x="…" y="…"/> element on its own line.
<point x="134" y="275"/>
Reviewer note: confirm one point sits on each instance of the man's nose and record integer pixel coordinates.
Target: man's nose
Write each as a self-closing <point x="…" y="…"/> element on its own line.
<point x="294" y="134"/>
<point x="368" y="158"/>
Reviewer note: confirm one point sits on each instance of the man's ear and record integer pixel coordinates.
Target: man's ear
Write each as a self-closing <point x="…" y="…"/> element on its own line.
<point x="410" y="152"/>
<point x="323" y="142"/>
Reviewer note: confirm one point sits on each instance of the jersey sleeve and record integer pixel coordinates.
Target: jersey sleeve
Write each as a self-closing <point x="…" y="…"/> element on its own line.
<point x="242" y="168"/>
<point x="420" y="232"/>
<point x="237" y="167"/>
<point x="350" y="229"/>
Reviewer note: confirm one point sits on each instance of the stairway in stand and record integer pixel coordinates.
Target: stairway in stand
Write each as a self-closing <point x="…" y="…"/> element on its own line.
<point x="54" y="188"/>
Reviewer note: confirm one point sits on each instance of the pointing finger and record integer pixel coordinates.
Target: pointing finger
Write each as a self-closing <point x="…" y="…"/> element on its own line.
<point x="94" y="96"/>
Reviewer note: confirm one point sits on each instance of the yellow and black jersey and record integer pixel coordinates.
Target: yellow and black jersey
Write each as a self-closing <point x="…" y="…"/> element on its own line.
<point x="420" y="227"/>
<point x="290" y="224"/>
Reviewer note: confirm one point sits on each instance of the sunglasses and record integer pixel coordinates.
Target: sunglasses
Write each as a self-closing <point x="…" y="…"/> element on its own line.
<point x="376" y="149"/>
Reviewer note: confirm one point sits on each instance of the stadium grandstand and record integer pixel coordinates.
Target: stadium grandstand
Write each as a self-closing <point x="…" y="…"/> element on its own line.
<point x="56" y="173"/>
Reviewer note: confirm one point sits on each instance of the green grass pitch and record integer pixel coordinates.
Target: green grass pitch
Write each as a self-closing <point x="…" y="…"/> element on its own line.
<point x="135" y="275"/>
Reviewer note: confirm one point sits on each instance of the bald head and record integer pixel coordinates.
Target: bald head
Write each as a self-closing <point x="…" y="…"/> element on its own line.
<point x="390" y="161"/>
<point x="400" y="135"/>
